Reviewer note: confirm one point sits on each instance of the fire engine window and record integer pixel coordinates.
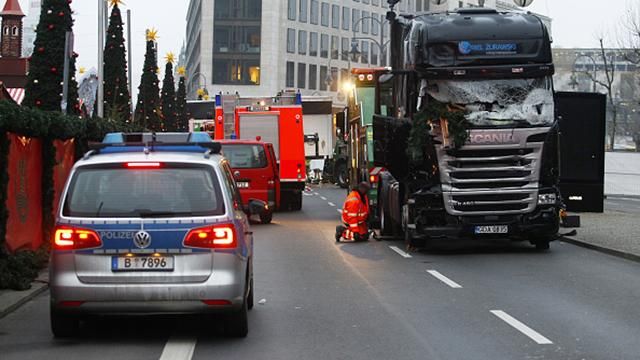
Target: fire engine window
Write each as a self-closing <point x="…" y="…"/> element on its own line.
<point x="245" y="156"/>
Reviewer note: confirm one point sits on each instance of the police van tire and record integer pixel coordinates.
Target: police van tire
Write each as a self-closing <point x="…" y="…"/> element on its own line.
<point x="237" y="323"/>
<point x="62" y="325"/>
<point x="250" y="296"/>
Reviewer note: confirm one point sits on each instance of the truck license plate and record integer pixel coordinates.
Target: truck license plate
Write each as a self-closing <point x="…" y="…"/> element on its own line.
<point x="242" y="185"/>
<point x="142" y="263"/>
<point x="492" y="229"/>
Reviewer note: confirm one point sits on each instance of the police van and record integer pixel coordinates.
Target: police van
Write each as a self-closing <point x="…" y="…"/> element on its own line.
<point x="152" y="223"/>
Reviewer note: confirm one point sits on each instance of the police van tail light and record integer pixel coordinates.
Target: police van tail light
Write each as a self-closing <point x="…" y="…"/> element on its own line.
<point x="71" y="238"/>
<point x="212" y="237"/>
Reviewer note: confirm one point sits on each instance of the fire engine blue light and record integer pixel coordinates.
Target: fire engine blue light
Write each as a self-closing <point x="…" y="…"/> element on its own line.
<point x="113" y="138"/>
<point x="233" y="136"/>
<point x="218" y="100"/>
<point x="298" y="99"/>
<point x="200" y="137"/>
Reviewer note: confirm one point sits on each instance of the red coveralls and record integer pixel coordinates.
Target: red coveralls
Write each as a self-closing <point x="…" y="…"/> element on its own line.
<point x="355" y="213"/>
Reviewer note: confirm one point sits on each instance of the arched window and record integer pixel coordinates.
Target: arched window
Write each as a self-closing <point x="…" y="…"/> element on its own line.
<point x="5" y="31"/>
<point x="15" y="31"/>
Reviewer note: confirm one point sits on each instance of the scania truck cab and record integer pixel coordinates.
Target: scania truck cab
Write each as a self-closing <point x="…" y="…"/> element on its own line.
<point x="466" y="130"/>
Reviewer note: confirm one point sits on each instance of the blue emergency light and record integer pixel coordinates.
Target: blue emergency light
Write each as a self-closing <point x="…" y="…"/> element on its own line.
<point x="174" y="142"/>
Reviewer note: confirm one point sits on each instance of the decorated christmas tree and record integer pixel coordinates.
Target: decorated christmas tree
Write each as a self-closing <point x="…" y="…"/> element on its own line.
<point x="46" y="65"/>
<point x="148" y="108"/>
<point x="168" y="96"/>
<point x="181" y="102"/>
<point x="117" y="100"/>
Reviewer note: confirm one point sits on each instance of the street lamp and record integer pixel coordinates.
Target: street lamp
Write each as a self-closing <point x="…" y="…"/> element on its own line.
<point x="201" y="75"/>
<point x="353" y="52"/>
<point x="382" y="45"/>
<point x="595" y="69"/>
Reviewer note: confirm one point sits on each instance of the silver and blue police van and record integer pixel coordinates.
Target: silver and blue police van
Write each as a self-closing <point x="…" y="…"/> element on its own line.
<point x="152" y="224"/>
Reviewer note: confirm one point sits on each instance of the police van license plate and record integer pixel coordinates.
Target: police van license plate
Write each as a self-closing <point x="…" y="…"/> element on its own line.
<point x="492" y="229"/>
<point x="142" y="263"/>
<point x="242" y="185"/>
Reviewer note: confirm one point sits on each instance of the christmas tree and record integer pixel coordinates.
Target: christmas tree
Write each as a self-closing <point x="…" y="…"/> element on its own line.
<point x="117" y="101"/>
<point x="147" y="110"/>
<point x="168" y="97"/>
<point x="181" y="102"/>
<point x="46" y="65"/>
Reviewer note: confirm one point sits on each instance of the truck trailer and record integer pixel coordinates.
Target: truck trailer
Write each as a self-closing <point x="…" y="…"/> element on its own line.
<point x="465" y="139"/>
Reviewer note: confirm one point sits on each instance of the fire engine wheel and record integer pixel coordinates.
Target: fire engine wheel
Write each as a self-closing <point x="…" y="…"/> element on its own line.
<point x="296" y="201"/>
<point x="266" y="218"/>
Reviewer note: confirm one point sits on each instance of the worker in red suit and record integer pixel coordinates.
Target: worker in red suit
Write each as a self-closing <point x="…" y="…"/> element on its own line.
<point x="355" y="215"/>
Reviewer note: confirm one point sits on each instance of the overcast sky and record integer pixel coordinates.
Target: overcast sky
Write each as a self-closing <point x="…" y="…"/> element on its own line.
<point x="576" y="23"/>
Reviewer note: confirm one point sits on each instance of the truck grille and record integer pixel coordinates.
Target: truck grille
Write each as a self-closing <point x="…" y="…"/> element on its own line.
<point x="491" y="179"/>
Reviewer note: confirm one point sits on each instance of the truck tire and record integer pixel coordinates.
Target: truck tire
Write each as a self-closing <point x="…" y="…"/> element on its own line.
<point x="342" y="175"/>
<point x="542" y="245"/>
<point x="266" y="218"/>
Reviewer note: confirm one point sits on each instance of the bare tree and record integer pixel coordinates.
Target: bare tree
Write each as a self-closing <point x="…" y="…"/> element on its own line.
<point x="608" y="85"/>
<point x="629" y="40"/>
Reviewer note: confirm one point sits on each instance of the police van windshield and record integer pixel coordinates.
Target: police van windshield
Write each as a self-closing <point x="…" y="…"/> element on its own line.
<point x="163" y="192"/>
<point x="504" y="102"/>
<point x="245" y="156"/>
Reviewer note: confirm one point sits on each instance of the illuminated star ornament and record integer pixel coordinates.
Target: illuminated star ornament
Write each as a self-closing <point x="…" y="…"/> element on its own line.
<point x="182" y="71"/>
<point x="152" y="35"/>
<point x="114" y="3"/>
<point x="82" y="70"/>
<point x="170" y="57"/>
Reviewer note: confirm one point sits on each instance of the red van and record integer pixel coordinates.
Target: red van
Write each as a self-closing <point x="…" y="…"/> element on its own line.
<point x="255" y="169"/>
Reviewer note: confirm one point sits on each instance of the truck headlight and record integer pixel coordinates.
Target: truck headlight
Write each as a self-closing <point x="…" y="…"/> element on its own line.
<point x="547" y="199"/>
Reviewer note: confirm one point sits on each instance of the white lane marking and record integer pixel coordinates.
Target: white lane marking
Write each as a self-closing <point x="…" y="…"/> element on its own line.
<point x="323" y="198"/>
<point x="332" y="204"/>
<point x="400" y="252"/>
<point x="444" y="279"/>
<point x="534" y="335"/>
<point x="179" y="348"/>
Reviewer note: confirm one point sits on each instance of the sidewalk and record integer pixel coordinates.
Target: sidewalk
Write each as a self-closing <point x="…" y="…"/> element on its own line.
<point x="612" y="232"/>
<point x="10" y="300"/>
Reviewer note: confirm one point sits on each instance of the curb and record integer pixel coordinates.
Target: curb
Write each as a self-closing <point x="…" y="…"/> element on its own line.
<point x="18" y="298"/>
<point x="602" y="249"/>
<point x="621" y="196"/>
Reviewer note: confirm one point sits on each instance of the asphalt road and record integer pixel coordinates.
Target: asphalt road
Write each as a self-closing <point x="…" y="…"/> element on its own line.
<point x="324" y="300"/>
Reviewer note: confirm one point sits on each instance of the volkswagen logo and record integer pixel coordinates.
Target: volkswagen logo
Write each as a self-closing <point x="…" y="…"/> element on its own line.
<point x="142" y="239"/>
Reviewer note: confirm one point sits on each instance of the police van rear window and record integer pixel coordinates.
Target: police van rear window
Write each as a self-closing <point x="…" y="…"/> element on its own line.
<point x="245" y="156"/>
<point x="154" y="191"/>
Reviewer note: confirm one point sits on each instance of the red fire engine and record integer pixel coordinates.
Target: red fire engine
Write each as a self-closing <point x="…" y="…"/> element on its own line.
<point x="276" y="120"/>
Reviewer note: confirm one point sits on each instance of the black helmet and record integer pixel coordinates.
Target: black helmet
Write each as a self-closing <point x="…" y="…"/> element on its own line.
<point x="364" y="187"/>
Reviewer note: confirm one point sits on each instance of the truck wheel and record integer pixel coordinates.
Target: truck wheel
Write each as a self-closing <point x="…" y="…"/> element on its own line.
<point x="266" y="218"/>
<point x="542" y="245"/>
<point x="63" y="326"/>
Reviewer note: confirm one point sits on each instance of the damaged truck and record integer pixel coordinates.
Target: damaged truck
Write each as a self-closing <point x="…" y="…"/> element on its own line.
<point x="465" y="128"/>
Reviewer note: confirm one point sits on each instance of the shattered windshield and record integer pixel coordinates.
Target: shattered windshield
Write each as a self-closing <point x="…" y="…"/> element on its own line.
<point x="505" y="102"/>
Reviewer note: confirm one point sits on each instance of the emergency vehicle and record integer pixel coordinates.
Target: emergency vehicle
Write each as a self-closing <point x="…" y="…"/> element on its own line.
<point x="255" y="170"/>
<point x="276" y="120"/>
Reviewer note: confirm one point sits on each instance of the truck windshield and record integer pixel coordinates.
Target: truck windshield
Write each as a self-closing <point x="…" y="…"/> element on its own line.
<point x="243" y="156"/>
<point x="507" y="102"/>
<point x="164" y="192"/>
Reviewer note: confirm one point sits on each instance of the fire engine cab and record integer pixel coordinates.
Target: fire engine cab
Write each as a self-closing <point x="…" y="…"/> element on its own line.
<point x="276" y="120"/>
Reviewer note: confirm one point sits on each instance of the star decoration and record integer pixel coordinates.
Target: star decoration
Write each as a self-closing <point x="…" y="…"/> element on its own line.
<point x="115" y="2"/>
<point x="182" y="71"/>
<point x="82" y="70"/>
<point x="170" y="57"/>
<point x="152" y="34"/>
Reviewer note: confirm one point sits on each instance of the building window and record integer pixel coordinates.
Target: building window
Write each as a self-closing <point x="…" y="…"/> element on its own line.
<point x="344" y="76"/>
<point x="375" y="26"/>
<point x="334" y="79"/>
<point x="323" y="78"/>
<point x="302" y="42"/>
<point x="324" y="16"/>
<point x="237" y="42"/>
<point x="375" y="2"/>
<point x="364" y="56"/>
<point x="313" y="44"/>
<point x="324" y="46"/>
<point x="15" y="31"/>
<point x="355" y="20"/>
<point x="335" y="47"/>
<point x="345" y="49"/>
<point x="291" y="74"/>
<point x="291" y="41"/>
<point x="291" y="9"/>
<point x="345" y="18"/>
<point x="314" y="12"/>
<point x="6" y="30"/>
<point x="335" y="16"/>
<point x="374" y="55"/>
<point x="365" y="22"/>
<point x="313" y="77"/>
<point x="302" y="75"/>
<point x="304" y="10"/>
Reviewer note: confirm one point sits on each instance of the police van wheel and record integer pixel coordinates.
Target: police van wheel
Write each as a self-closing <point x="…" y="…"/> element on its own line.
<point x="250" y="296"/>
<point x="63" y="326"/>
<point x="237" y="323"/>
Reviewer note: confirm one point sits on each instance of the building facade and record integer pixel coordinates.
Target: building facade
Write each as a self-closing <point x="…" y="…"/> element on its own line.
<point x="30" y="25"/>
<point x="261" y="47"/>
<point x="13" y="66"/>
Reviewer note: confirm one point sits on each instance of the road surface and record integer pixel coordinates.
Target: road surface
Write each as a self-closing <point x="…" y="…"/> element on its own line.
<point x="323" y="300"/>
